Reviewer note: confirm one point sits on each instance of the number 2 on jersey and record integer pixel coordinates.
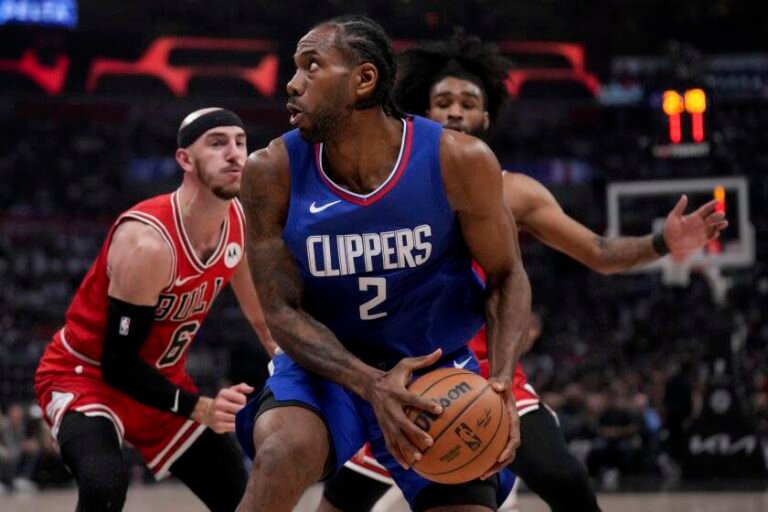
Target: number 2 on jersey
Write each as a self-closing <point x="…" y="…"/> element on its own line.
<point x="380" y="285"/>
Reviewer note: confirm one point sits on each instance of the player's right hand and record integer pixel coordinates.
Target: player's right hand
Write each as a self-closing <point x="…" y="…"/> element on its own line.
<point x="220" y="416"/>
<point x="389" y="398"/>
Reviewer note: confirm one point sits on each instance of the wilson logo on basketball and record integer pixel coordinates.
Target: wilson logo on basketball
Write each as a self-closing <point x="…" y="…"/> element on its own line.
<point x="424" y="419"/>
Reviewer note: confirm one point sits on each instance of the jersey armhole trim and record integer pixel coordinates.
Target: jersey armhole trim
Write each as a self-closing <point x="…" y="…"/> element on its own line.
<point x="154" y="222"/>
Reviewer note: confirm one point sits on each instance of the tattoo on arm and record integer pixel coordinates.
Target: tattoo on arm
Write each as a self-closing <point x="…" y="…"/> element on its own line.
<point x="279" y="284"/>
<point x="626" y="252"/>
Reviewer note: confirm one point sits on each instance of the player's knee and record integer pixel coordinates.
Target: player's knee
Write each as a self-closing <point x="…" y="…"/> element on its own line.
<point x="278" y="455"/>
<point x="102" y="483"/>
<point x="571" y="476"/>
<point x="565" y="474"/>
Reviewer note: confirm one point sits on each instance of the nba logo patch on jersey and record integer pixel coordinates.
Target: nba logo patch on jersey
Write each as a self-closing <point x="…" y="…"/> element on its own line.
<point x="125" y="325"/>
<point x="232" y="255"/>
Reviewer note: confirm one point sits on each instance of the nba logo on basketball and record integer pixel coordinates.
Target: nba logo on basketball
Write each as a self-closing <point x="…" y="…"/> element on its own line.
<point x="125" y="325"/>
<point x="470" y="438"/>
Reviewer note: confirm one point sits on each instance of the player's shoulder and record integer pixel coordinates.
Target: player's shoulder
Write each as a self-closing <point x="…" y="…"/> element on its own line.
<point x="521" y="183"/>
<point x="269" y="158"/>
<point x="460" y="146"/>
<point x="140" y="240"/>
<point x="524" y="195"/>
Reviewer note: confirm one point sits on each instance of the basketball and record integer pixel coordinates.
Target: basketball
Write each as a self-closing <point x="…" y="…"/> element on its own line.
<point x="470" y="433"/>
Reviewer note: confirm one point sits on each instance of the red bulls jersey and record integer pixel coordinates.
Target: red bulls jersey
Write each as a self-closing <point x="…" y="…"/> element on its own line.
<point x="183" y="303"/>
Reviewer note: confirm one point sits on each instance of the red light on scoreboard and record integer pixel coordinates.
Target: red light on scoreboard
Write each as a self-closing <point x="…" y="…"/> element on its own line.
<point x="673" y="106"/>
<point x="693" y="102"/>
<point x="696" y="105"/>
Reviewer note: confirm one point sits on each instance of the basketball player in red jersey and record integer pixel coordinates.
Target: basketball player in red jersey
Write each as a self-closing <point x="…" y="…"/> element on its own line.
<point x="460" y="84"/>
<point x="117" y="369"/>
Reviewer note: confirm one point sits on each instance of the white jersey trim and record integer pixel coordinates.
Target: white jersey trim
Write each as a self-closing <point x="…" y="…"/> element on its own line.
<point x="354" y="466"/>
<point x="380" y="187"/>
<point x="164" y="470"/>
<point x="186" y="244"/>
<point x="241" y="218"/>
<point x="74" y="352"/>
<point x="525" y="410"/>
<point x="102" y="410"/>
<point x="526" y="402"/>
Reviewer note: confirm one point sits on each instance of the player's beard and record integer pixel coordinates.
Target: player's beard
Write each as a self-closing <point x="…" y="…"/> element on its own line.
<point x="222" y="192"/>
<point x="326" y="121"/>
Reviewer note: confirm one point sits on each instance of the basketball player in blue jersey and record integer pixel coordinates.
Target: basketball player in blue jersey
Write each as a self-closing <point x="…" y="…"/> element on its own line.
<point x="362" y="226"/>
<point x="460" y="84"/>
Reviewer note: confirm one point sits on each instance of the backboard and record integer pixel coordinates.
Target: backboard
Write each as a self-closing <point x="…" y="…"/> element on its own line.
<point x="638" y="207"/>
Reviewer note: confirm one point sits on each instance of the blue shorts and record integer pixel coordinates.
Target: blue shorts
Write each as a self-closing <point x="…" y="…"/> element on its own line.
<point x="349" y="418"/>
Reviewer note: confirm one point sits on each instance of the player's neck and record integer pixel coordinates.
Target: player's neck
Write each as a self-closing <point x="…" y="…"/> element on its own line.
<point x="203" y="216"/>
<point x="362" y="156"/>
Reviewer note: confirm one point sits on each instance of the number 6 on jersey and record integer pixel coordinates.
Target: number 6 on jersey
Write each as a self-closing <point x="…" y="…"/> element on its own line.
<point x="380" y="284"/>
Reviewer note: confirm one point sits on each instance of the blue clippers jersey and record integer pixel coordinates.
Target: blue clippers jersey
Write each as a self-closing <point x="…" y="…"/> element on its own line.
<point x="388" y="272"/>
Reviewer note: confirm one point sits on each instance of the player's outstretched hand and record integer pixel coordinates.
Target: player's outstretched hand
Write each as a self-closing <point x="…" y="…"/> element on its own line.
<point x="504" y="388"/>
<point x="686" y="233"/>
<point x="389" y="398"/>
<point x="220" y="414"/>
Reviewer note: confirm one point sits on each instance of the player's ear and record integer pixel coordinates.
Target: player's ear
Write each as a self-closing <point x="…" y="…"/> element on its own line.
<point x="486" y="120"/>
<point x="183" y="159"/>
<point x="367" y="78"/>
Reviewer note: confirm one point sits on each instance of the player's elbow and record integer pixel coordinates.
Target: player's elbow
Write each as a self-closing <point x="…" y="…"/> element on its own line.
<point x="112" y="371"/>
<point x="604" y="268"/>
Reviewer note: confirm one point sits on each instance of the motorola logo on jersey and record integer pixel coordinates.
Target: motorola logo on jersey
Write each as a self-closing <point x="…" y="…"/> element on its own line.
<point x="350" y="254"/>
<point x="232" y="255"/>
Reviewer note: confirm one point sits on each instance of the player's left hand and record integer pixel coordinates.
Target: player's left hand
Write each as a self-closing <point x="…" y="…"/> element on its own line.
<point x="686" y="233"/>
<point x="504" y="388"/>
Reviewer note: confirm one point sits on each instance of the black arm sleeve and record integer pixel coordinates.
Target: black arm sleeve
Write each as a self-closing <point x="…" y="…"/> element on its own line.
<point x="128" y="326"/>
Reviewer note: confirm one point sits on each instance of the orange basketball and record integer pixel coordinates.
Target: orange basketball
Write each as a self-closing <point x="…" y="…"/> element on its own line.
<point x="470" y="433"/>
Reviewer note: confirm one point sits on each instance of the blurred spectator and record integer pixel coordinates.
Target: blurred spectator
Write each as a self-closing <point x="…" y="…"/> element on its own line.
<point x="618" y="442"/>
<point x="678" y="409"/>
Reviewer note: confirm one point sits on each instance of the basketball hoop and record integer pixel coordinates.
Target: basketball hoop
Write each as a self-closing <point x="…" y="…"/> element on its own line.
<point x="676" y="270"/>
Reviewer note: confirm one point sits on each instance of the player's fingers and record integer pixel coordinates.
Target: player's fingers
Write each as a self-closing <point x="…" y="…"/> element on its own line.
<point x="394" y="448"/>
<point x="706" y="209"/>
<point x="226" y="407"/>
<point x="498" y="385"/>
<point x="718" y="226"/>
<point x="714" y="231"/>
<point x="514" y="432"/>
<point x="715" y="217"/>
<point x="409" y="451"/>
<point x="224" y="415"/>
<point x="506" y="458"/>
<point x="230" y="395"/>
<point x="415" y="434"/>
<point x="406" y="398"/>
<point x="680" y="206"/>
<point x="508" y="453"/>
<point x="242" y="388"/>
<point x="496" y="468"/>
<point x="224" y="427"/>
<point x="424" y="361"/>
